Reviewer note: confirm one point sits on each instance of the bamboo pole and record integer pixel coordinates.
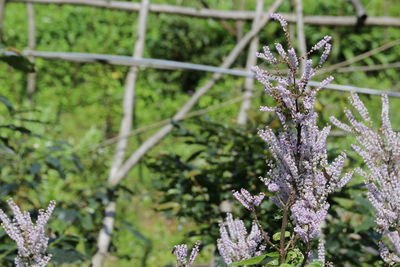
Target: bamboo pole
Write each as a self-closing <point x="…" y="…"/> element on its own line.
<point x="251" y="61"/>
<point x="105" y="234"/>
<point x="360" y="11"/>
<point x="221" y="14"/>
<point x="169" y="64"/>
<point x="2" y="7"/>
<point x="300" y="32"/>
<point x="240" y="23"/>
<point x="31" y="85"/>
<point x="131" y="61"/>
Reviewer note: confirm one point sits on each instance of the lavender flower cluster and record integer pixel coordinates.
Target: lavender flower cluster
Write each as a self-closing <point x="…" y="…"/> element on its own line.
<point x="247" y="200"/>
<point x="300" y="173"/>
<point x="181" y="252"/>
<point x="380" y="150"/>
<point x="235" y="244"/>
<point x="31" y="239"/>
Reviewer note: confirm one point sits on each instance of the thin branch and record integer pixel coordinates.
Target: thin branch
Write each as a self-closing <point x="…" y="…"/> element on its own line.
<point x="189" y="115"/>
<point x="291" y="241"/>
<point x="166" y="121"/>
<point x="370" y="68"/>
<point x="282" y="251"/>
<point x="359" y="57"/>
<point x="265" y="235"/>
<point x="285" y="221"/>
<point x="306" y="255"/>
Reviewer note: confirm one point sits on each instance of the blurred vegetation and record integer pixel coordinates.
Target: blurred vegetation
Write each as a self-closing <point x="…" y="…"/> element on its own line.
<point x="50" y="147"/>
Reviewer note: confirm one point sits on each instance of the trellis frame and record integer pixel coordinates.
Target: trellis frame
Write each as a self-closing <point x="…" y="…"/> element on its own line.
<point x="120" y="167"/>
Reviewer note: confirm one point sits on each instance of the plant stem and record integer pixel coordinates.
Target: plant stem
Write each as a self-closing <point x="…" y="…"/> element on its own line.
<point x="306" y="255"/>
<point x="282" y="251"/>
<point x="265" y="235"/>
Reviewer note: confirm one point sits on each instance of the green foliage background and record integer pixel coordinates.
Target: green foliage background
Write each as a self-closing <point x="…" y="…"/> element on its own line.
<point x="77" y="106"/>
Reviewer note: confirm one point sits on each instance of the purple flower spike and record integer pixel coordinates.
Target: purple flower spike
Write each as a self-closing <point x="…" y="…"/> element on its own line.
<point x="235" y="244"/>
<point x="181" y="252"/>
<point x="30" y="238"/>
<point x="247" y="200"/>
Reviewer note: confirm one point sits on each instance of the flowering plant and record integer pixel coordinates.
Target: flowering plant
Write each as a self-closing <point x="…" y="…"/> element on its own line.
<point x="300" y="177"/>
<point x="380" y="150"/>
<point x="30" y="238"/>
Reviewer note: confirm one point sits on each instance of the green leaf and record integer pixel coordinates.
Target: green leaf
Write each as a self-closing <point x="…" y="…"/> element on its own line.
<point x="35" y="168"/>
<point x="15" y="59"/>
<point x="344" y="202"/>
<point x="17" y="128"/>
<point x="274" y="254"/>
<point x="5" y="150"/>
<point x="6" y="188"/>
<point x="277" y="236"/>
<point x="7" y="103"/>
<point x="251" y="261"/>
<point x="6" y="250"/>
<point x="317" y="264"/>
<point x="286" y="265"/>
<point x="63" y="256"/>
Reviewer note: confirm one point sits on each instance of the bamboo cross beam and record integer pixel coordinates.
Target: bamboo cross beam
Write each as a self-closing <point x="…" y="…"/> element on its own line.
<point x="175" y="65"/>
<point x="220" y="14"/>
<point x="131" y="61"/>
